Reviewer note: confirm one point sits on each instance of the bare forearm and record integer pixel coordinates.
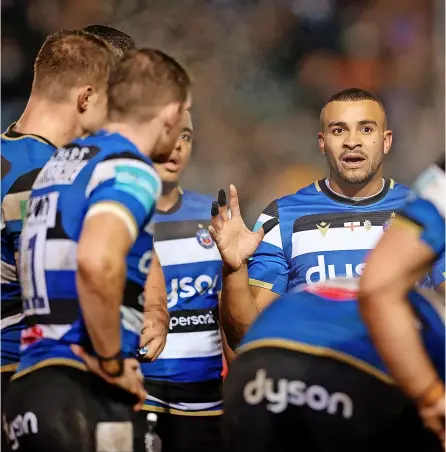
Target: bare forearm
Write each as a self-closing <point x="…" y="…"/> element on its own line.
<point x="238" y="308"/>
<point x="100" y="296"/>
<point x="393" y="328"/>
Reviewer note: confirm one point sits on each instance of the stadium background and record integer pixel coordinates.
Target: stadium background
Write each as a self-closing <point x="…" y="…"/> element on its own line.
<point x="262" y="70"/>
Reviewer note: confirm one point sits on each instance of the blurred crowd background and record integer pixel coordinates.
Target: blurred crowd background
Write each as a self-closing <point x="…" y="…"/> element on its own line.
<point x="262" y="70"/>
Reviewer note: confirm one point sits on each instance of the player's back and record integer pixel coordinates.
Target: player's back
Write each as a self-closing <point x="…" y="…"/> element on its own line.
<point x="321" y="235"/>
<point x="187" y="374"/>
<point x="101" y="168"/>
<point x="325" y="319"/>
<point x="23" y="156"/>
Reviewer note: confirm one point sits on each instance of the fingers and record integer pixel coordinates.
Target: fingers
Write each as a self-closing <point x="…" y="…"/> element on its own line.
<point x="222" y="205"/>
<point x="233" y="201"/>
<point x="216" y="220"/>
<point x="137" y="384"/>
<point x="154" y="348"/>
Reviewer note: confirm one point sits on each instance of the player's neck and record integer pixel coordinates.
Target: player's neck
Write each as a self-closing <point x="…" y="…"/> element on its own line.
<point x="343" y="188"/>
<point x="143" y="136"/>
<point x="169" y="197"/>
<point x="49" y="120"/>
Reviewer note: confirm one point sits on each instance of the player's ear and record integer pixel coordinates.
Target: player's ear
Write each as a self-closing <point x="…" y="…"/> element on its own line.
<point x="84" y="98"/>
<point x="388" y="135"/>
<point x="321" y="138"/>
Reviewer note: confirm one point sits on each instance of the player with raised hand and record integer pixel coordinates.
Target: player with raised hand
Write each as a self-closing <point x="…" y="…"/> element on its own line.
<point x="407" y="250"/>
<point x="85" y="253"/>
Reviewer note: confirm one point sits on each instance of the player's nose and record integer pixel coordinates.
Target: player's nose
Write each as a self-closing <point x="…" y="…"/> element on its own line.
<point x="352" y="141"/>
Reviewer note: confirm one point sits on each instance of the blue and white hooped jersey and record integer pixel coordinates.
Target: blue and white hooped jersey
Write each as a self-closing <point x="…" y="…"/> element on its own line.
<point x="321" y="236"/>
<point x="103" y="171"/>
<point x="425" y="209"/>
<point x="187" y="375"/>
<point x="23" y="156"/>
<point x="324" y="320"/>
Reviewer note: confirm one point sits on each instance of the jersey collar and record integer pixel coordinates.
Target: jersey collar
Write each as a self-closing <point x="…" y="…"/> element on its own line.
<point x="321" y="185"/>
<point x="12" y="134"/>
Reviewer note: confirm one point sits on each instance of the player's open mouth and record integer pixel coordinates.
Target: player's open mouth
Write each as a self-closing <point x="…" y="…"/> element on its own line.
<point x="173" y="164"/>
<point x="353" y="160"/>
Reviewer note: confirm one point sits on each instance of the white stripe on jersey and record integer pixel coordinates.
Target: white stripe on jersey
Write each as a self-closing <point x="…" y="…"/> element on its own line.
<point x="12" y="320"/>
<point x="186" y="406"/>
<point x="184" y="251"/>
<point x="11" y="205"/>
<point x="273" y="237"/>
<point x="336" y="239"/>
<point x="107" y="170"/>
<point x="8" y="273"/>
<point x="201" y="344"/>
<point x="131" y="319"/>
<point x="60" y="254"/>
<point x="50" y="332"/>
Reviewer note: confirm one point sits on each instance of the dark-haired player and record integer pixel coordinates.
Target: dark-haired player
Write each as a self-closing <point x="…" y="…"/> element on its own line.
<point x="323" y="231"/>
<point x="85" y="251"/>
<point x="68" y="99"/>
<point x="415" y="240"/>
<point x="119" y="40"/>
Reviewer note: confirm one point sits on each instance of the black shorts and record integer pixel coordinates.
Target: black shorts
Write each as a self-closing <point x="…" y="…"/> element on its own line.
<point x="6" y="378"/>
<point x="180" y="433"/>
<point x="63" y="409"/>
<point x="284" y="400"/>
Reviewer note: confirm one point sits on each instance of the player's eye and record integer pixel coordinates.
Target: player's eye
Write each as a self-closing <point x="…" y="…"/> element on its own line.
<point x="367" y="129"/>
<point x="337" y="131"/>
<point x="185" y="137"/>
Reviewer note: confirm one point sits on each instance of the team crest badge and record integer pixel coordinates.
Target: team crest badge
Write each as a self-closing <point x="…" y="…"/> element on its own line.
<point x="387" y="223"/>
<point x="204" y="237"/>
<point x="367" y="225"/>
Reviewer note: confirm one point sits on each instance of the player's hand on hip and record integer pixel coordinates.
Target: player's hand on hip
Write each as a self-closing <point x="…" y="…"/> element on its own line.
<point x="131" y="380"/>
<point x="153" y="337"/>
<point x="234" y="240"/>
<point x="434" y="418"/>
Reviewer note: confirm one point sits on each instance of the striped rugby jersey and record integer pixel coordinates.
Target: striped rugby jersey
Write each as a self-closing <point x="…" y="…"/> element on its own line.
<point x="321" y="236"/>
<point x="101" y="168"/>
<point x="23" y="156"/>
<point x="187" y="375"/>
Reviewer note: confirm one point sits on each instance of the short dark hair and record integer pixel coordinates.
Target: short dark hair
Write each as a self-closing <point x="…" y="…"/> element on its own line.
<point x="116" y="38"/>
<point x="69" y="59"/>
<point x="354" y="95"/>
<point x="143" y="81"/>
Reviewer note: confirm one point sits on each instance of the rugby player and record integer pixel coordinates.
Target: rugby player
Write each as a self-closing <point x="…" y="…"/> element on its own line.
<point x="308" y="378"/>
<point x="85" y="250"/>
<point x="411" y="245"/>
<point x="68" y="98"/>
<point x="184" y="384"/>
<point x="323" y="231"/>
<point x="119" y="40"/>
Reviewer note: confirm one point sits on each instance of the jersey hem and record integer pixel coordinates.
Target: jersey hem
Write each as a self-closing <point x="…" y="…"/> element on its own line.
<point x="167" y="410"/>
<point x="51" y="362"/>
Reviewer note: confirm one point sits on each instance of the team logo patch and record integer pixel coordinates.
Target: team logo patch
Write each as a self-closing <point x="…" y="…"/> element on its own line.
<point x="204" y="237"/>
<point x="388" y="222"/>
<point x="367" y="225"/>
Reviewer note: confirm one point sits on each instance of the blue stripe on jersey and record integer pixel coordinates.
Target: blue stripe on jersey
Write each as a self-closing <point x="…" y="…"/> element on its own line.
<point x="10" y="342"/>
<point x="61" y="284"/>
<point x="198" y="369"/>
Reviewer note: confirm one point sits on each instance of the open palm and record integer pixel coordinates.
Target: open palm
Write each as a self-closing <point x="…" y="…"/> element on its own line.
<point x="234" y="240"/>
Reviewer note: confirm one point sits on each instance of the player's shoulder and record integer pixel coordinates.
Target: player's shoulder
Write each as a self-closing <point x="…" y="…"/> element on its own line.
<point x="397" y="190"/>
<point x="195" y="198"/>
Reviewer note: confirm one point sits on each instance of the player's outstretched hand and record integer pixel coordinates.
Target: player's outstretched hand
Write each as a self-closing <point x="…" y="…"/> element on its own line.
<point x="234" y="240"/>
<point x="131" y="380"/>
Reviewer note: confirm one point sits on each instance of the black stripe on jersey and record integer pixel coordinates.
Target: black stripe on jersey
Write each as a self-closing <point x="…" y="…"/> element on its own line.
<point x="125" y="155"/>
<point x="64" y="154"/>
<point x="133" y="296"/>
<point x="200" y="392"/>
<point x="63" y="312"/>
<point x="272" y="209"/>
<point x="58" y="231"/>
<point x="10" y="133"/>
<point x="6" y="166"/>
<point x="173" y="230"/>
<point x="337" y="219"/>
<point x="352" y="202"/>
<point x="24" y="182"/>
<point x="193" y="320"/>
<point x="11" y="307"/>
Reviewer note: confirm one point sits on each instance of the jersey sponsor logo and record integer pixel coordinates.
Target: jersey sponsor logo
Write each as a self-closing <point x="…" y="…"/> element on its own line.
<point x="323" y="228"/>
<point x="278" y="393"/>
<point x="193" y="320"/>
<point x="204" y="237"/>
<point x="189" y="287"/>
<point x="144" y="262"/>
<point x="31" y="335"/>
<point x="328" y="271"/>
<point x="139" y="183"/>
<point x="21" y="425"/>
